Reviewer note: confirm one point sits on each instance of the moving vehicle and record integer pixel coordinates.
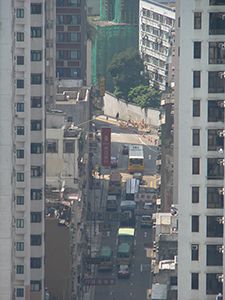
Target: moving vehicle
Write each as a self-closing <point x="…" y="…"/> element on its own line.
<point x="138" y="175"/>
<point x="115" y="184"/>
<point x="113" y="162"/>
<point x="124" y="254"/>
<point x="132" y="188"/>
<point x="125" y="149"/>
<point x="148" y="206"/>
<point x="128" y="206"/>
<point x="126" y="235"/>
<point x="124" y="271"/>
<point x="106" y="258"/>
<point x="111" y="203"/>
<point x="136" y="158"/>
<point x="146" y="221"/>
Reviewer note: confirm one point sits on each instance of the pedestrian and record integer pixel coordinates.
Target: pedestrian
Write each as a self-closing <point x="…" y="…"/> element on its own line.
<point x="155" y="141"/>
<point x="129" y="119"/>
<point x="117" y="116"/>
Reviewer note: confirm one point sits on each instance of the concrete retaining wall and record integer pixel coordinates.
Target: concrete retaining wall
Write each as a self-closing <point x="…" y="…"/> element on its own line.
<point x="112" y="105"/>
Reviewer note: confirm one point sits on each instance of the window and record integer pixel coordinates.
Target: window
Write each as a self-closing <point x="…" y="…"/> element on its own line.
<point x="60" y="54"/>
<point x="59" y="3"/>
<point x="73" y="20"/>
<point x="215" y="111"/>
<point x="73" y="37"/>
<point x="36" y="102"/>
<point x="35" y="8"/>
<point x="216" y="2"/>
<point x="20" y="269"/>
<point x="195" y="194"/>
<point x="213" y="284"/>
<point x="194" y="281"/>
<point x="217" y="23"/>
<point x="35" y="285"/>
<point x="20" y="13"/>
<point x="20" y="36"/>
<point x="178" y="22"/>
<point x="35" y="262"/>
<point x="197" y="20"/>
<point x="214" y="226"/>
<point x="20" y="60"/>
<point x="36" y="55"/>
<point x="73" y="72"/>
<point x="197" y="49"/>
<point x="196" y="79"/>
<point x="73" y="54"/>
<point x="20" y="83"/>
<point x="20" y="153"/>
<point x="36" y="194"/>
<point x="214" y="197"/>
<point x="35" y="240"/>
<point x="70" y="119"/>
<point x="20" y="130"/>
<point x="68" y="146"/>
<point x="20" y="223"/>
<point x="20" y="177"/>
<point x="20" y="200"/>
<point x="214" y="255"/>
<point x="196" y="108"/>
<point x="19" y="107"/>
<point x="215" y="141"/>
<point x="36" y="78"/>
<point x="74" y="3"/>
<point x="217" y="53"/>
<point x="36" y="32"/>
<point x="214" y="169"/>
<point x="52" y="146"/>
<point x="36" y="148"/>
<point x="20" y="246"/>
<point x="20" y="292"/>
<point x="173" y="280"/>
<point x="59" y="19"/>
<point x="196" y="137"/>
<point x="35" y="125"/>
<point x="195" y="166"/>
<point x="216" y="82"/>
<point x="36" y="171"/>
<point x="59" y="37"/>
<point x="194" y="252"/>
<point x="35" y="217"/>
<point x="194" y="223"/>
<point x="60" y="72"/>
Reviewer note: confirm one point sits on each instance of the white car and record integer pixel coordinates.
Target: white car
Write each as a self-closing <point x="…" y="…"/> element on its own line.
<point x="146" y="221"/>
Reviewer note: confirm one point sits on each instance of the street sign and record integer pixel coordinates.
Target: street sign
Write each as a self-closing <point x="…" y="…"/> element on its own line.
<point x="93" y="260"/>
<point x="105" y="226"/>
<point x="106" y="146"/>
<point x="108" y="216"/>
<point x="99" y="281"/>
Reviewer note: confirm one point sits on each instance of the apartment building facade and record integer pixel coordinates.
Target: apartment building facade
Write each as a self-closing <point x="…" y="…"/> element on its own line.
<point x="22" y="123"/>
<point x="199" y="147"/>
<point x="71" y="39"/>
<point x="156" y="22"/>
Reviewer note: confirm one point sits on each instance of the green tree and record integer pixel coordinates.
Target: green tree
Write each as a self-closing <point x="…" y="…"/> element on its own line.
<point x="145" y="97"/>
<point x="126" y="68"/>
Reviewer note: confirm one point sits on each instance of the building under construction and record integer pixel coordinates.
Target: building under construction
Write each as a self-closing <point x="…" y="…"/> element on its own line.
<point x="117" y="29"/>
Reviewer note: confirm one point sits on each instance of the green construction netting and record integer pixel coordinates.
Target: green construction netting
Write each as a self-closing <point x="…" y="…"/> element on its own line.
<point x="110" y="40"/>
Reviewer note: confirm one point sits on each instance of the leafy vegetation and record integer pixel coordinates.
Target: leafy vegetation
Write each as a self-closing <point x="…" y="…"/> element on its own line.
<point x="144" y="97"/>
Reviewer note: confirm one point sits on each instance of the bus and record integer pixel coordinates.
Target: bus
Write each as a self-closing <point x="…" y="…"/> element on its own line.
<point x="115" y="183"/>
<point x="124" y="254"/>
<point x="126" y="235"/>
<point x="106" y="258"/>
<point x="136" y="158"/>
<point x="128" y="206"/>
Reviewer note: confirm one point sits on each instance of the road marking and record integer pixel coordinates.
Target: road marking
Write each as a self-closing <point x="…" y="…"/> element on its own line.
<point x="147" y="146"/>
<point x="145" y="234"/>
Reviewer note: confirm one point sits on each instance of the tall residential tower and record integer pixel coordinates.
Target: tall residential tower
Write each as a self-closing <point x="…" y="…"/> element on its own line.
<point x="22" y="135"/>
<point x="199" y="146"/>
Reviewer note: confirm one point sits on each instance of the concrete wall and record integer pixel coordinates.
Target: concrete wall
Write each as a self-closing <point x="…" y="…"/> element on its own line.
<point x="112" y="105"/>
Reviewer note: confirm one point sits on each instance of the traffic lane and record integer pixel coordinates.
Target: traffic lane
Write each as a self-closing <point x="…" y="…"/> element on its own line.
<point x="150" y="155"/>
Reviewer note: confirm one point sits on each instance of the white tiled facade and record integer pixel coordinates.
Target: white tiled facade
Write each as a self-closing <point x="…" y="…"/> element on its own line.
<point x="22" y="131"/>
<point x="155" y="28"/>
<point x="198" y="146"/>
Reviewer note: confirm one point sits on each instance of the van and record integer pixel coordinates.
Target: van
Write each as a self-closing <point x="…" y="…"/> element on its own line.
<point x="146" y="221"/>
<point x="111" y="203"/>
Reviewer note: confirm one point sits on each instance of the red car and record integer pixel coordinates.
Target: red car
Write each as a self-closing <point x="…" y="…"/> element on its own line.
<point x="123" y="271"/>
<point x="113" y="162"/>
<point x="148" y="206"/>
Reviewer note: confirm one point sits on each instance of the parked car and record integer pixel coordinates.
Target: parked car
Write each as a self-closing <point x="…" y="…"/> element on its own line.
<point x="113" y="162"/>
<point x="125" y="149"/>
<point x="148" y="206"/>
<point x="111" y="203"/>
<point x="138" y="175"/>
<point x="146" y="221"/>
<point x="123" y="271"/>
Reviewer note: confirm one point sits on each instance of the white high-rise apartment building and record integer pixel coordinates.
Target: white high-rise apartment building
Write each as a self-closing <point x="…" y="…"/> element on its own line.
<point x="22" y="136"/>
<point x="199" y="146"/>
